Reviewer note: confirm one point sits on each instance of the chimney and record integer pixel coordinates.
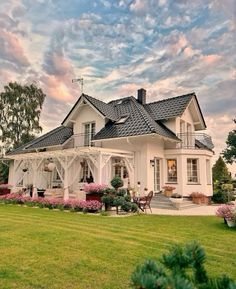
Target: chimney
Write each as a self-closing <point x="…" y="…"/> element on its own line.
<point x="142" y="96"/>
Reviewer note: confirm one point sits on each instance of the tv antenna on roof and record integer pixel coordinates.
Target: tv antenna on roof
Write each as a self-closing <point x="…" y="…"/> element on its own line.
<point x="81" y="81"/>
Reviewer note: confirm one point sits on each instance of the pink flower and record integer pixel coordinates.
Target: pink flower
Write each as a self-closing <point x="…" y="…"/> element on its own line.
<point x="92" y="187"/>
<point x="226" y="211"/>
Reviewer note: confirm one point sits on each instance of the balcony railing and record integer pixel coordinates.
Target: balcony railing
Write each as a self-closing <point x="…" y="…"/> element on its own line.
<point x="195" y="140"/>
<point x="84" y="140"/>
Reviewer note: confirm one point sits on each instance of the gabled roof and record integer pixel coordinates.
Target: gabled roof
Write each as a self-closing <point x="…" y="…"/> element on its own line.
<point x="135" y="119"/>
<point x="105" y="109"/>
<point x="55" y="137"/>
<point x="170" y="107"/>
<point x="139" y="122"/>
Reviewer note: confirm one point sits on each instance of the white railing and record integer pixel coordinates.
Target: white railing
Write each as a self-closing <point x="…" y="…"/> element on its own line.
<point x="195" y="140"/>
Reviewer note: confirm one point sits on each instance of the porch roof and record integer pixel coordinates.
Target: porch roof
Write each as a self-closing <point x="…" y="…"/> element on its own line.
<point x="72" y="152"/>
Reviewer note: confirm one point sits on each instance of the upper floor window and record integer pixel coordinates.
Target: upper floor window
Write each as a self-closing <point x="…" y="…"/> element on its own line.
<point x="172" y="170"/>
<point x="208" y="172"/>
<point x="89" y="132"/>
<point x="192" y="170"/>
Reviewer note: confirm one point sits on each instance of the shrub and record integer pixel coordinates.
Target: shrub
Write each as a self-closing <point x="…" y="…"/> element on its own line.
<point x="127" y="206"/>
<point x="119" y="201"/>
<point x="121" y="192"/>
<point x="108" y="199"/>
<point x="226" y="211"/>
<point x="181" y="268"/>
<point x="117" y="182"/>
<point x="134" y="207"/>
<point x="219" y="197"/>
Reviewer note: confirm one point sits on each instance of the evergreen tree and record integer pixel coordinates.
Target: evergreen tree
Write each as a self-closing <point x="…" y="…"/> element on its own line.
<point x="220" y="171"/>
<point x="229" y="153"/>
<point x="181" y="268"/>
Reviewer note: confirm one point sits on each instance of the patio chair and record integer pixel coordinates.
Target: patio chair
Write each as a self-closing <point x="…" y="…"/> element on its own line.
<point x="144" y="203"/>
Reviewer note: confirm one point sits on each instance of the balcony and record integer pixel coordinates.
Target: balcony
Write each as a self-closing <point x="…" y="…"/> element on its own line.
<point x="195" y="141"/>
<point x="84" y="140"/>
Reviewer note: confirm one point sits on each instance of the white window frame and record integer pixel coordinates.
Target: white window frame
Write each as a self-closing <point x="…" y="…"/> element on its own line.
<point x="91" y="132"/>
<point x="208" y="172"/>
<point x="190" y="169"/>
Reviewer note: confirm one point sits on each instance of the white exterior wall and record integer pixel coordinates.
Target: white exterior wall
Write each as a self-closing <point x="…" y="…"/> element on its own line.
<point x="182" y="186"/>
<point x="87" y="114"/>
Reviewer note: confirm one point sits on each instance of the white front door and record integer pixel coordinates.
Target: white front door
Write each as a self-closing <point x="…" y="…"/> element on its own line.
<point x="157" y="186"/>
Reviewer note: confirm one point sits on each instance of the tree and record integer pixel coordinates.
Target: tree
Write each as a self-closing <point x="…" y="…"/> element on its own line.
<point x="229" y="153"/>
<point x="180" y="268"/>
<point x="20" y="109"/>
<point x="220" y="171"/>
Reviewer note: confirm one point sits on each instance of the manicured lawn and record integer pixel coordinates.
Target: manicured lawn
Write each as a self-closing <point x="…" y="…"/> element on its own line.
<point x="56" y="250"/>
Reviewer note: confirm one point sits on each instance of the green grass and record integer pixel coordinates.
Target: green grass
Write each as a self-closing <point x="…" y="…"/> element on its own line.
<point x="56" y="250"/>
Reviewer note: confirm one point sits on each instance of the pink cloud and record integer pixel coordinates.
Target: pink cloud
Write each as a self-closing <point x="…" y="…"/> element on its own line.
<point x="12" y="49"/>
<point x="57" y="88"/>
<point x="211" y="58"/>
<point x="176" y="47"/>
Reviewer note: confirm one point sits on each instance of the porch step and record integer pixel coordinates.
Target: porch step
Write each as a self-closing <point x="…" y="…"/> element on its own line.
<point x="160" y="201"/>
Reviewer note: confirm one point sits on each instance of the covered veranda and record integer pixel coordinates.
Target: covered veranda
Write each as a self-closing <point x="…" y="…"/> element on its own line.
<point x="29" y="168"/>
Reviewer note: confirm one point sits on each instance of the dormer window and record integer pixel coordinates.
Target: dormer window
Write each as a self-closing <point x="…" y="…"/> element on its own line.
<point x="122" y="119"/>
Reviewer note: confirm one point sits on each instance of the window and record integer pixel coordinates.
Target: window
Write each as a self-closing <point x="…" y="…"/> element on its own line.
<point x="120" y="169"/>
<point x="172" y="170"/>
<point x="208" y="172"/>
<point x="122" y="119"/>
<point x="89" y="132"/>
<point x="192" y="170"/>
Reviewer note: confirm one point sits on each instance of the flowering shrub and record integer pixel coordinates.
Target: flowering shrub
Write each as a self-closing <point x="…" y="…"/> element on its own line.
<point x="168" y="188"/>
<point x="94" y="188"/>
<point x="51" y="203"/>
<point x="227" y="212"/>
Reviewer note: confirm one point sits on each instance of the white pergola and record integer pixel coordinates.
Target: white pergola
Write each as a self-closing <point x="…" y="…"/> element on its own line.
<point x="68" y="165"/>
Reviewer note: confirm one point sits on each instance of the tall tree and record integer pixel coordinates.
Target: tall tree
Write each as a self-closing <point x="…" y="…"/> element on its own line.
<point x="229" y="153"/>
<point x="20" y="108"/>
<point x="220" y="171"/>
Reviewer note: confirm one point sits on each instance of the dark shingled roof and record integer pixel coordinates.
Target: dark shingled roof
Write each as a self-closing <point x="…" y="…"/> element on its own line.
<point x="55" y="137"/>
<point x="137" y="119"/>
<point x="104" y="108"/>
<point x="169" y="108"/>
<point x="139" y="122"/>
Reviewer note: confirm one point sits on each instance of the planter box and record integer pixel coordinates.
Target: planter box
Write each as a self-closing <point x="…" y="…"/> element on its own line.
<point x="200" y="200"/>
<point x="5" y="191"/>
<point x="93" y="197"/>
<point x="168" y="193"/>
<point x="230" y="223"/>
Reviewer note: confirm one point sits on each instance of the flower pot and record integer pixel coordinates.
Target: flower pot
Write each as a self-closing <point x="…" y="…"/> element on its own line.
<point x="231" y="223"/>
<point x="168" y="193"/>
<point x="196" y="200"/>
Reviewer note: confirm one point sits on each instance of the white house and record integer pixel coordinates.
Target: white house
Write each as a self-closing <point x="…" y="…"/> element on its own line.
<point x="155" y="143"/>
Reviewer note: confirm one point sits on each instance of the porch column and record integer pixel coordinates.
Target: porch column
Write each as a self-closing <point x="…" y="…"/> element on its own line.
<point x="66" y="183"/>
<point x="35" y="165"/>
<point x="99" y="168"/>
<point x="16" y="166"/>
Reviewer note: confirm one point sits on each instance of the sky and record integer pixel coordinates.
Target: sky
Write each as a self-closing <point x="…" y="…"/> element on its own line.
<point x="168" y="47"/>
